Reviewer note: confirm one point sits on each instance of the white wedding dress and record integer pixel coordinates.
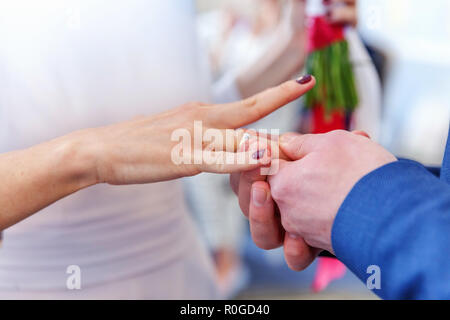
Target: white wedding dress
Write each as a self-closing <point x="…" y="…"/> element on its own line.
<point x="66" y="65"/>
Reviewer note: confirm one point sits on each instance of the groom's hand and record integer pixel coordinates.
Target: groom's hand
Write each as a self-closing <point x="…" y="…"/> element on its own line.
<point x="298" y="208"/>
<point x="310" y="190"/>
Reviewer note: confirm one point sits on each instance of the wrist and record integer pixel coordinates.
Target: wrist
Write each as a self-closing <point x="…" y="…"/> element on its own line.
<point x="76" y="158"/>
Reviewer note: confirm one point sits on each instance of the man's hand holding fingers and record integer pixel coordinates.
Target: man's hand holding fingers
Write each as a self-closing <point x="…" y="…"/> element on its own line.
<point x="303" y="197"/>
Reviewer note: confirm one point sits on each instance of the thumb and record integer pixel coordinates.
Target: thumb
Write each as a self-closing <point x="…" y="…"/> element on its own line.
<point x="296" y="146"/>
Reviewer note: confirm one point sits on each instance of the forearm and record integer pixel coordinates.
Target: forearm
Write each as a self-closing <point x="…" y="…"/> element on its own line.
<point x="398" y="218"/>
<point x="36" y="177"/>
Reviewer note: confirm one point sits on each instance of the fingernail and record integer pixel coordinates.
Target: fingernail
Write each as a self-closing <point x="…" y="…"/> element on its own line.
<point x="305" y="79"/>
<point x="259" y="196"/>
<point x="259" y="154"/>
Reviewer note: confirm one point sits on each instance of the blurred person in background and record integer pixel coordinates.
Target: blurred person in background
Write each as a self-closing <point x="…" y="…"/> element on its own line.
<point x="255" y="32"/>
<point x="69" y="65"/>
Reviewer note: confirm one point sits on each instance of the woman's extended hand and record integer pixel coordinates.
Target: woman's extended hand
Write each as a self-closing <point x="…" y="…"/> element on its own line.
<point x="142" y="150"/>
<point x="185" y="141"/>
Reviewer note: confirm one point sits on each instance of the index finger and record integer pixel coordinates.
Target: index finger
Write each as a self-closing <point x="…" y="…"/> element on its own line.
<point x="241" y="113"/>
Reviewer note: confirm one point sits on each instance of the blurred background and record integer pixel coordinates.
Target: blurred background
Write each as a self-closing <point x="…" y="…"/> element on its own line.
<point x="408" y="43"/>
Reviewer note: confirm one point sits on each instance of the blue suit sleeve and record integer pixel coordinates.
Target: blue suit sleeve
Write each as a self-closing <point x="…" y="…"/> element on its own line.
<point x="398" y="219"/>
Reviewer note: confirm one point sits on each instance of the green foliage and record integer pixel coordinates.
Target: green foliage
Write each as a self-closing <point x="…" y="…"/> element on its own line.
<point x="335" y="88"/>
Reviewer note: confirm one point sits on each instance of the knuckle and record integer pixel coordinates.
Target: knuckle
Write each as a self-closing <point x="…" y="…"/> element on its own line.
<point x="278" y="191"/>
<point x="287" y="224"/>
<point x="338" y="134"/>
<point x="280" y="187"/>
<point x="221" y="168"/>
<point x="336" y="138"/>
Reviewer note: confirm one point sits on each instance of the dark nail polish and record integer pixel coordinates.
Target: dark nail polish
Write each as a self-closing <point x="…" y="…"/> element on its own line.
<point x="258" y="154"/>
<point x="305" y="79"/>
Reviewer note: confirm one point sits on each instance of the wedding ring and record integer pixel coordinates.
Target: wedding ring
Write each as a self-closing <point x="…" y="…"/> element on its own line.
<point x="244" y="140"/>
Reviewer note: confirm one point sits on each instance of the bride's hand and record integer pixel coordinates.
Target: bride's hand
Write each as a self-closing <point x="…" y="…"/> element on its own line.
<point x="142" y="150"/>
<point x="147" y="149"/>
